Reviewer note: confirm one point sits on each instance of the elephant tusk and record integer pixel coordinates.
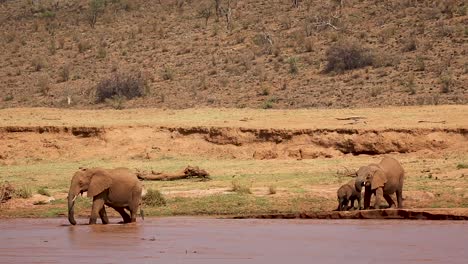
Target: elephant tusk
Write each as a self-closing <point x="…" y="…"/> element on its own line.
<point x="74" y="198"/>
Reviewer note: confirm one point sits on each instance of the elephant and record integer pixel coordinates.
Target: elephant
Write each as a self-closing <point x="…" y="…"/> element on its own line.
<point x="349" y="192"/>
<point x="118" y="188"/>
<point x="381" y="179"/>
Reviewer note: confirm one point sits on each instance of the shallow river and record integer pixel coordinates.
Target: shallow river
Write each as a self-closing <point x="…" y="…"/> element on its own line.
<point x="207" y="240"/>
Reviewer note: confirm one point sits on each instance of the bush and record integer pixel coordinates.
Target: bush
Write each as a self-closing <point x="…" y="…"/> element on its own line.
<point x="240" y="187"/>
<point x="23" y="192"/>
<point x="154" y="198"/>
<point x="272" y="189"/>
<point x="121" y="85"/>
<point x="343" y="56"/>
<point x="293" y="69"/>
<point x="43" y="191"/>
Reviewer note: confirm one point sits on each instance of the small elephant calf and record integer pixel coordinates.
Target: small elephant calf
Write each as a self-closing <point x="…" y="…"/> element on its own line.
<point x="348" y="193"/>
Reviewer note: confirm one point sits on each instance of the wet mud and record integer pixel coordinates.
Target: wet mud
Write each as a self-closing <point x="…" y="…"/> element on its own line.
<point x="208" y="240"/>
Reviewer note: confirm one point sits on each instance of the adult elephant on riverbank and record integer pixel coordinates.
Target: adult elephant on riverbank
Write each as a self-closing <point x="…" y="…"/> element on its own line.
<point x="117" y="188"/>
<point x="383" y="180"/>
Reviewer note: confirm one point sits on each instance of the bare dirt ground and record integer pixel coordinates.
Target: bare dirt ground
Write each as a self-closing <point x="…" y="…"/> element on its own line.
<point x="291" y="161"/>
<point x="196" y="240"/>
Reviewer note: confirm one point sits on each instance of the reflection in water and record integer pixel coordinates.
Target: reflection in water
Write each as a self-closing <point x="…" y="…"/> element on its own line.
<point x="195" y="240"/>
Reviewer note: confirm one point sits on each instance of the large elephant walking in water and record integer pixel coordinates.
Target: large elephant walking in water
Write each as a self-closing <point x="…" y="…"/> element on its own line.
<point x="117" y="188"/>
<point x="383" y="180"/>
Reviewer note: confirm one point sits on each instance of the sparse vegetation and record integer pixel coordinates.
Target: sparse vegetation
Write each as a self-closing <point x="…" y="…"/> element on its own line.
<point x="240" y="187"/>
<point x="43" y="84"/>
<point x="293" y="69"/>
<point x="38" y="63"/>
<point x="95" y="8"/>
<point x="84" y="45"/>
<point x="120" y="85"/>
<point x="154" y="198"/>
<point x="168" y="73"/>
<point x="43" y="191"/>
<point x="446" y="81"/>
<point x="23" y="192"/>
<point x="272" y="189"/>
<point x="462" y="166"/>
<point x="345" y="56"/>
<point x="64" y="72"/>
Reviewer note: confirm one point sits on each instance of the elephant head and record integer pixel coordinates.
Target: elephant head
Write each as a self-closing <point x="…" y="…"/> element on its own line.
<point x="371" y="177"/>
<point x="93" y="181"/>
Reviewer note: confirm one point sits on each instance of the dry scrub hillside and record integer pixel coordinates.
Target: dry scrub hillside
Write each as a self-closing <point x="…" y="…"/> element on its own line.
<point x="250" y="53"/>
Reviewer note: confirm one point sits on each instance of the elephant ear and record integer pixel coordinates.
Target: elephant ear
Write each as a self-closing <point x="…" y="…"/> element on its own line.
<point x="378" y="179"/>
<point x="100" y="181"/>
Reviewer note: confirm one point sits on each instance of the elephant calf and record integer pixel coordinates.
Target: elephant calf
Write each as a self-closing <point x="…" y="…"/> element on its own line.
<point x="117" y="188"/>
<point x="349" y="192"/>
<point x="383" y="180"/>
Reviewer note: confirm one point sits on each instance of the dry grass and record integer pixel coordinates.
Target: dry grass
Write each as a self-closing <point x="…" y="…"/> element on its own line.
<point x="376" y="118"/>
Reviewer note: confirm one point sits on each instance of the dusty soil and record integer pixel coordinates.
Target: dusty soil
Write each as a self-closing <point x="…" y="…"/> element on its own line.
<point x="273" y="55"/>
<point x="198" y="240"/>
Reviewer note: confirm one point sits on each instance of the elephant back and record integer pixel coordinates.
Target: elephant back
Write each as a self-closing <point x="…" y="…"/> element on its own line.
<point x="393" y="170"/>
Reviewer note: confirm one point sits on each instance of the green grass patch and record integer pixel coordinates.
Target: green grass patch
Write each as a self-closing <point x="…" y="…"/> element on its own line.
<point x="154" y="198"/>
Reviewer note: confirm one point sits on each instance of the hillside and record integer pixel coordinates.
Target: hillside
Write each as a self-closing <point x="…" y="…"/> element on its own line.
<point x="270" y="54"/>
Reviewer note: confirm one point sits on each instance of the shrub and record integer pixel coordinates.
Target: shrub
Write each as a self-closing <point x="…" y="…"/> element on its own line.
<point x="409" y="45"/>
<point x="6" y="192"/>
<point x="121" y="85"/>
<point x="239" y="187"/>
<point x="154" y="198"/>
<point x="167" y="74"/>
<point x="95" y="7"/>
<point x="272" y="189"/>
<point x="293" y="69"/>
<point x="462" y="166"/>
<point x="343" y="56"/>
<point x="38" y="63"/>
<point x="83" y="46"/>
<point x="43" y="191"/>
<point x="43" y="84"/>
<point x="8" y="97"/>
<point x="23" y="192"/>
<point x="446" y="81"/>
<point x="65" y="73"/>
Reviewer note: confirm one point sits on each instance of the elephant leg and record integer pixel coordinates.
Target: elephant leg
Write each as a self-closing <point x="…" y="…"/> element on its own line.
<point x="367" y="197"/>
<point x="352" y="204"/>
<point x="378" y="197"/>
<point x="134" y="204"/>
<point x="389" y="200"/>
<point x="359" y="203"/>
<point x="125" y="216"/>
<point x="133" y="214"/>
<point x="399" y="196"/>
<point x="98" y="205"/>
<point x="103" y="215"/>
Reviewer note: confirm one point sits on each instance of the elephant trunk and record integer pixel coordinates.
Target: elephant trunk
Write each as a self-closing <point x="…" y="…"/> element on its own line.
<point x="71" y="204"/>
<point x="358" y="184"/>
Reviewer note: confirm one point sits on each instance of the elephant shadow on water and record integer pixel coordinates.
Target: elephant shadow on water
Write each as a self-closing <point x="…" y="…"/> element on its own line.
<point x="117" y="188"/>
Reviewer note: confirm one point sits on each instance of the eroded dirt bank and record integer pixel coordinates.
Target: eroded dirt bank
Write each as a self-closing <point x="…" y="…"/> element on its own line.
<point x="198" y="240"/>
<point x="147" y="142"/>
<point x="410" y="214"/>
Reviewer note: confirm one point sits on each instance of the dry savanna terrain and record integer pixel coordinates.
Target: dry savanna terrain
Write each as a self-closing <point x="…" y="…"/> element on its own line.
<point x="232" y="53"/>
<point x="259" y="161"/>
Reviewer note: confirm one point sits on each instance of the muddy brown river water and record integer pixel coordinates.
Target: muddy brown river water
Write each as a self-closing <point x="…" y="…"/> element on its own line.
<point x="208" y="240"/>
